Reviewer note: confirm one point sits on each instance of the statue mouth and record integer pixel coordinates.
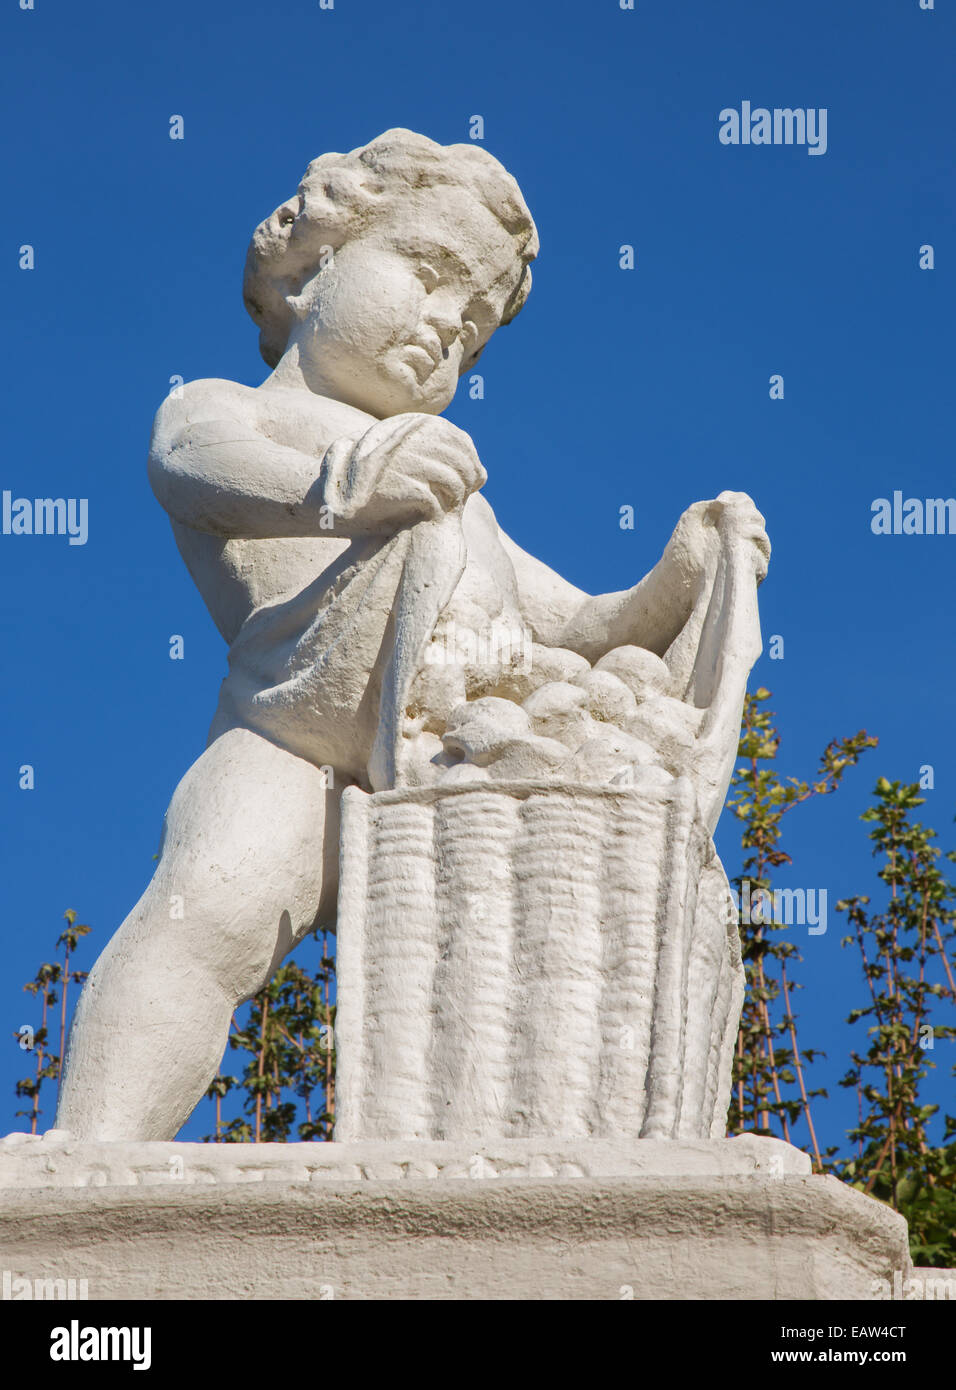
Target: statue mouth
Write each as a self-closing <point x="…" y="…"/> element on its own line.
<point x="423" y="359"/>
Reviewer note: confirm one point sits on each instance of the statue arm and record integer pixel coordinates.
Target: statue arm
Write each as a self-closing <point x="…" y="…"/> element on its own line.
<point x="222" y="476"/>
<point x="218" y="473"/>
<point x="649" y="615"/>
<point x="657" y="609"/>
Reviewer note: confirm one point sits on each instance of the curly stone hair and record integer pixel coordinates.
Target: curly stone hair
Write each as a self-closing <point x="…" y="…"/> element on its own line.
<point x="341" y="193"/>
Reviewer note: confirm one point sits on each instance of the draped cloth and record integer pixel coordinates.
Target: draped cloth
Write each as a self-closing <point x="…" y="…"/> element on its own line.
<point x="710" y="661"/>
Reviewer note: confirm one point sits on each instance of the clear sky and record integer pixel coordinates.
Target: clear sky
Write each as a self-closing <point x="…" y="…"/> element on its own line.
<point x="647" y="387"/>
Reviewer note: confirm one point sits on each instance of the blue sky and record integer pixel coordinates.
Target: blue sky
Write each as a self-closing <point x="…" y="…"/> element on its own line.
<point x="647" y="387"/>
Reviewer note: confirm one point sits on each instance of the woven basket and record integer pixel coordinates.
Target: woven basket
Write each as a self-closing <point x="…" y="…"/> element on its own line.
<point x="520" y="960"/>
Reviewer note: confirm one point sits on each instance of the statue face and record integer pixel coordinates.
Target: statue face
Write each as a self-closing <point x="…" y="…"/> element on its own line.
<point x="387" y="325"/>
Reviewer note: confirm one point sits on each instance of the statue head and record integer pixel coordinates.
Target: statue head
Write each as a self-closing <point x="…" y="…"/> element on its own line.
<point x="392" y="266"/>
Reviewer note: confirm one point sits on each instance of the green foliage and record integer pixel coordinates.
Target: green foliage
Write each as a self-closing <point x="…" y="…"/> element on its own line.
<point x="50" y="977"/>
<point x="288" y="1083"/>
<point x="926" y="1196"/>
<point x="769" y="1083"/>
<point x="905" y="953"/>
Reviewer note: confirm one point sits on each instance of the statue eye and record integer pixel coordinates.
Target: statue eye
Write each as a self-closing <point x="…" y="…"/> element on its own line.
<point x="429" y="277"/>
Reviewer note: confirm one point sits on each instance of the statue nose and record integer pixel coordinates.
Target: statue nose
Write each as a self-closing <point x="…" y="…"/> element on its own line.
<point x="446" y="323"/>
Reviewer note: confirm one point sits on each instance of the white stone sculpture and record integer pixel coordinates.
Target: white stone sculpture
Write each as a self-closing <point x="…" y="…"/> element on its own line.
<point x="500" y="789"/>
<point x="534" y="938"/>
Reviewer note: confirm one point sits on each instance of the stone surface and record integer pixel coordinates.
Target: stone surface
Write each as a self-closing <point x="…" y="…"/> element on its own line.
<point x="761" y="1235"/>
<point x="58" y="1161"/>
<point x="511" y="1219"/>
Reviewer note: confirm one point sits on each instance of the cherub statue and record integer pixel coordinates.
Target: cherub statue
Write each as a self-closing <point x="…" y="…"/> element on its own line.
<point x="333" y="520"/>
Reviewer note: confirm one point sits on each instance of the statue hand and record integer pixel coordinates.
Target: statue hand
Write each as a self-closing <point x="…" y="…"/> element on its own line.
<point x="434" y="465"/>
<point x="708" y="527"/>
<point x="737" y="519"/>
<point x="405" y="468"/>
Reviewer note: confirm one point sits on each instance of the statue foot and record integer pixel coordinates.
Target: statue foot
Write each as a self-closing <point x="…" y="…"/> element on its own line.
<point x="19" y="1139"/>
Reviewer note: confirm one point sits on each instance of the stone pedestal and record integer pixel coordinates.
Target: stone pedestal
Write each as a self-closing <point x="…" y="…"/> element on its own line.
<point x="724" y="1219"/>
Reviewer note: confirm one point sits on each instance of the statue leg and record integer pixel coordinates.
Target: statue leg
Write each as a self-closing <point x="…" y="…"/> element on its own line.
<point x="248" y="866"/>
